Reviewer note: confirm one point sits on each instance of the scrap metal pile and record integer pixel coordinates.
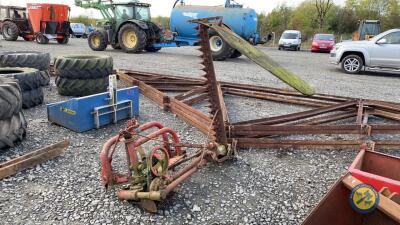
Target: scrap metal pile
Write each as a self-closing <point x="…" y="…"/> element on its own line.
<point x="151" y="176"/>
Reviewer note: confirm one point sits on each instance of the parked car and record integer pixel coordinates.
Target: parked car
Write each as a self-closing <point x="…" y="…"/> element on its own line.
<point x="380" y="52"/>
<point x="323" y="42"/>
<point x="79" y="30"/>
<point x="290" y="39"/>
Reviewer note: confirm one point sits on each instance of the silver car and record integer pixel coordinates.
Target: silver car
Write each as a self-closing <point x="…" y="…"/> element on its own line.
<point x="381" y="52"/>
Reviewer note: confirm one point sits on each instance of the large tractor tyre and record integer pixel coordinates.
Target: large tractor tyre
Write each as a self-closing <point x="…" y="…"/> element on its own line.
<point x="81" y="87"/>
<point x="28" y="78"/>
<point x="98" y="41"/>
<point x="64" y="40"/>
<point x="236" y="54"/>
<point x="10" y="98"/>
<point x="12" y="130"/>
<point x="152" y="49"/>
<point x="132" y="39"/>
<point x="32" y="98"/>
<point x="41" y="39"/>
<point x="31" y="59"/>
<point x="10" y="31"/>
<point x="44" y="78"/>
<point x="116" y="46"/>
<point x="352" y="64"/>
<point x="220" y="49"/>
<point x="83" y="66"/>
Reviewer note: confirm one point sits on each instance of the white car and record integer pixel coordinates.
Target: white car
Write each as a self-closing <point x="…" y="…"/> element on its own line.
<point x="290" y="39"/>
<point x="381" y="52"/>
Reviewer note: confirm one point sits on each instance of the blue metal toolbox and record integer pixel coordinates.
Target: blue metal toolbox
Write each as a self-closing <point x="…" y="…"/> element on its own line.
<point x="89" y="112"/>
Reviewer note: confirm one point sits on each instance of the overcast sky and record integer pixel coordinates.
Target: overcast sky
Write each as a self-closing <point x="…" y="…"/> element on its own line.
<point x="163" y="7"/>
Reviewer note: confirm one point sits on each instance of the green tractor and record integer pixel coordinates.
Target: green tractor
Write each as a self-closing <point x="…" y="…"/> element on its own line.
<point x="126" y="26"/>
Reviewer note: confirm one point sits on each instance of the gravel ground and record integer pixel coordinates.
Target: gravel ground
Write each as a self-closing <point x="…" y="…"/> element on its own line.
<point x="260" y="186"/>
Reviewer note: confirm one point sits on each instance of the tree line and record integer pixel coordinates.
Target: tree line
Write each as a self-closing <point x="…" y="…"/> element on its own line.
<point x="316" y="16"/>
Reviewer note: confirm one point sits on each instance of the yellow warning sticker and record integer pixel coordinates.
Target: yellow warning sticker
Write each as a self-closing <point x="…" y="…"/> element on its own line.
<point x="68" y="111"/>
<point x="364" y="199"/>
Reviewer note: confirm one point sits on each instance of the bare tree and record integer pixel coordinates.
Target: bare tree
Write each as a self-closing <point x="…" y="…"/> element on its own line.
<point x="323" y="7"/>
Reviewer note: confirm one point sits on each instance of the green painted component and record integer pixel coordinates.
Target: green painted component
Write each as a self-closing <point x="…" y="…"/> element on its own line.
<point x="262" y="59"/>
<point x="113" y="20"/>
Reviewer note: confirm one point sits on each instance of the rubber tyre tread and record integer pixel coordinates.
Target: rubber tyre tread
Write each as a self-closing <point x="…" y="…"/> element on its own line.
<point x="31" y="59"/>
<point x="44" y="78"/>
<point x="103" y="40"/>
<point x="152" y="49"/>
<point x="32" y="98"/>
<point x="224" y="53"/>
<point x="10" y="98"/>
<point x="75" y="67"/>
<point x="63" y="41"/>
<point x="141" y="38"/>
<point x="12" y="130"/>
<point x="236" y="54"/>
<point x="28" y="78"/>
<point x="14" y="28"/>
<point x="81" y="87"/>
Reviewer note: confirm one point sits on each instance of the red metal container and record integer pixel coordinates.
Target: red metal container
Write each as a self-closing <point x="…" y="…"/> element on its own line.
<point x="377" y="169"/>
<point x="335" y="209"/>
<point x="49" y="21"/>
<point x="39" y="14"/>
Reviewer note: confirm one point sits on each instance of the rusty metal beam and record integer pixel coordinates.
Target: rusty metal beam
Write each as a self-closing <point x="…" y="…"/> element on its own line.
<point x="32" y="159"/>
<point x="298" y="116"/>
<point x="312" y="144"/>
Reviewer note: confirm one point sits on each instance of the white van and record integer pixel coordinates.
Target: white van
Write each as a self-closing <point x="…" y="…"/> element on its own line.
<point x="290" y="39"/>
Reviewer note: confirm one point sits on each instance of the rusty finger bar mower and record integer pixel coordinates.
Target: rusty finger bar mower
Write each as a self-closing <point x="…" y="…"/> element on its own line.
<point x="154" y="173"/>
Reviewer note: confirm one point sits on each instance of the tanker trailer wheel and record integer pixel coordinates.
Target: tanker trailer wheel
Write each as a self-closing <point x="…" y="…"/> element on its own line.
<point x="132" y="39"/>
<point x="97" y="41"/>
<point x="64" y="40"/>
<point x="219" y="48"/>
<point x="41" y="39"/>
<point x="10" y="31"/>
<point x="236" y="54"/>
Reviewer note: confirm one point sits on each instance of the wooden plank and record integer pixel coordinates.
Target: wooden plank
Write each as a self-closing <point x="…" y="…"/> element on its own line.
<point x="32" y="159"/>
<point x="387" y="206"/>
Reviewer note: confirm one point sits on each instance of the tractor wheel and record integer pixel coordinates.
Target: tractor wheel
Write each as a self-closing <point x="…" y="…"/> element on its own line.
<point x="28" y="78"/>
<point x="10" y="98"/>
<point x="132" y="39"/>
<point x="81" y="87"/>
<point x="152" y="49"/>
<point x="12" y="130"/>
<point x="97" y="41"/>
<point x="63" y="41"/>
<point x="41" y="39"/>
<point x="10" y="31"/>
<point x="32" y="59"/>
<point x="116" y="46"/>
<point x="236" y="54"/>
<point x="219" y="48"/>
<point x="32" y="98"/>
<point x="44" y="78"/>
<point x="83" y="66"/>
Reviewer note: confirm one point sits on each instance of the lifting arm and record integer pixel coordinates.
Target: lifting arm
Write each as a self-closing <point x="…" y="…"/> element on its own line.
<point x="102" y="5"/>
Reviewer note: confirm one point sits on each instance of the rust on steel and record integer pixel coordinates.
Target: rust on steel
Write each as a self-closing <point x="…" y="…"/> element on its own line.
<point x="32" y="159"/>
<point x="326" y="114"/>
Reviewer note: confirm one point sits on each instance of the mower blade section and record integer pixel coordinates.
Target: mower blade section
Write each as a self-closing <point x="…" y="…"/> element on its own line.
<point x="32" y="159"/>
<point x="262" y="60"/>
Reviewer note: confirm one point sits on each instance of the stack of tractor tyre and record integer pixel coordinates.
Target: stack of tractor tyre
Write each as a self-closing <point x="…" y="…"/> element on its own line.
<point x="31" y="59"/>
<point x="12" y="121"/>
<point x="31" y="69"/>
<point x="29" y="80"/>
<point x="82" y="75"/>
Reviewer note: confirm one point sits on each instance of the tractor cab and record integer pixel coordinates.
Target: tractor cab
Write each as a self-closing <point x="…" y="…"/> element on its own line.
<point x="12" y="12"/>
<point x="133" y="10"/>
